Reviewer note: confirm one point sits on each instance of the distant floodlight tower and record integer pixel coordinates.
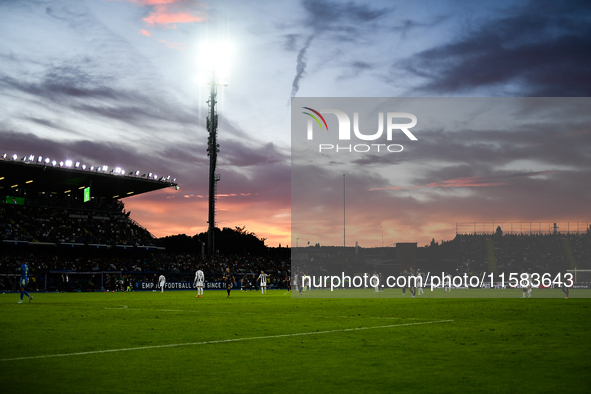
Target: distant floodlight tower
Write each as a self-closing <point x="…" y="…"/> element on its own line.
<point x="215" y="59"/>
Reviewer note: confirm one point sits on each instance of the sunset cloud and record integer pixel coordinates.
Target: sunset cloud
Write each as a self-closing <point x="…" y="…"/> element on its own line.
<point x="167" y="13"/>
<point x="162" y="16"/>
<point x="173" y="45"/>
<point x="458" y="182"/>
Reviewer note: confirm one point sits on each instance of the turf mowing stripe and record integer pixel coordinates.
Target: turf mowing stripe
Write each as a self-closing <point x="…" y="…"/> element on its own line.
<point x="221" y="341"/>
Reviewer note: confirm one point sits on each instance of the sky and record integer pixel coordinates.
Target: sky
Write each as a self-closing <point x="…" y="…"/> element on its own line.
<point x="116" y="83"/>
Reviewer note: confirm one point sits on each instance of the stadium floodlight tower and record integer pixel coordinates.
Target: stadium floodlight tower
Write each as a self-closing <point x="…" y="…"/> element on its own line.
<point x="215" y="59"/>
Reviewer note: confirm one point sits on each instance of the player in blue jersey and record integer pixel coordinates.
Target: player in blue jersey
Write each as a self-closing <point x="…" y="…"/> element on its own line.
<point x="24" y="281"/>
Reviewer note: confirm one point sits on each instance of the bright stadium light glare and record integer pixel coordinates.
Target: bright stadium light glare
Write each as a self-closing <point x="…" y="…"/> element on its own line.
<point x="122" y="171"/>
<point x="149" y="175"/>
<point x="117" y="170"/>
<point x="32" y="158"/>
<point x="105" y="168"/>
<point x="214" y="62"/>
<point x="84" y="166"/>
<point x="137" y="173"/>
<point x="77" y="165"/>
<point x="47" y="160"/>
<point x="68" y="163"/>
<point x="91" y="168"/>
<point x="61" y="163"/>
<point x="39" y="159"/>
<point x="53" y="163"/>
<point x="14" y="157"/>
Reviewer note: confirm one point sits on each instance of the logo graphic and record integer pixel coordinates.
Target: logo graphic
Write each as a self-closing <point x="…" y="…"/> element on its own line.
<point x="345" y="124"/>
<point x="344" y="132"/>
<point x="315" y="118"/>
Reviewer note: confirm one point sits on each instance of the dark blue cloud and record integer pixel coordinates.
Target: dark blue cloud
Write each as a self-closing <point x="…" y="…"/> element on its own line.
<point x="541" y="49"/>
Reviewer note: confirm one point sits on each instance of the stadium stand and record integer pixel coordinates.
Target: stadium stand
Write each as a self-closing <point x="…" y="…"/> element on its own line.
<point x="45" y="222"/>
<point x="524" y="252"/>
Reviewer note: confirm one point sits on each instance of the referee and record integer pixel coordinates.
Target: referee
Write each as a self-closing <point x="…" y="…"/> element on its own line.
<point x="229" y="278"/>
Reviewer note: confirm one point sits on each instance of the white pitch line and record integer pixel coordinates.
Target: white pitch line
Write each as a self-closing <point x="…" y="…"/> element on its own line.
<point x="221" y="341"/>
<point x="243" y="313"/>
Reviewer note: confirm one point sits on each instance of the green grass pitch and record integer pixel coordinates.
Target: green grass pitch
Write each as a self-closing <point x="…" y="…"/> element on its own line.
<point x="174" y="342"/>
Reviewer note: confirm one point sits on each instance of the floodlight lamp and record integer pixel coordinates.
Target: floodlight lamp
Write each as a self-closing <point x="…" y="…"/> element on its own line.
<point x="122" y="172"/>
<point x="91" y="168"/>
<point x="53" y="163"/>
<point x="174" y="179"/>
<point x="4" y="156"/>
<point x="32" y="158"/>
<point x="155" y="176"/>
<point x="14" y="157"/>
<point x="84" y="166"/>
<point x="143" y="175"/>
<point x="24" y="158"/>
<point x="136" y="173"/>
<point x="168" y="177"/>
<point x="77" y="165"/>
<point x="215" y="61"/>
<point x="117" y="170"/>
<point x="39" y="159"/>
<point x="68" y="163"/>
<point x="61" y="163"/>
<point x="105" y="168"/>
<point x="47" y="160"/>
<point x="149" y="175"/>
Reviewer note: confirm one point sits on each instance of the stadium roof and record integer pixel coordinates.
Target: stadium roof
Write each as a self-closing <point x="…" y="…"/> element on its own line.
<point x="50" y="178"/>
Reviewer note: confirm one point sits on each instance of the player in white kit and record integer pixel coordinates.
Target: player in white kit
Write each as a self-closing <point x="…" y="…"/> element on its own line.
<point x="447" y="282"/>
<point x="263" y="282"/>
<point x="375" y="280"/>
<point x="161" y="282"/>
<point x="420" y="283"/>
<point x="525" y="279"/>
<point x="199" y="280"/>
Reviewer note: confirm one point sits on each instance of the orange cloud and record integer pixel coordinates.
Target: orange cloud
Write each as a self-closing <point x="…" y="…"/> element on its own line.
<point x="145" y="32"/>
<point x="170" y="12"/>
<point x="472" y="181"/>
<point x="162" y="16"/>
<point x="457" y="182"/>
<point x="174" y="45"/>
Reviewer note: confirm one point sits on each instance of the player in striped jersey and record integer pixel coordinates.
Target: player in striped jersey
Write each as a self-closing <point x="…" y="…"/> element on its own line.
<point x="263" y="282"/>
<point x="199" y="281"/>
